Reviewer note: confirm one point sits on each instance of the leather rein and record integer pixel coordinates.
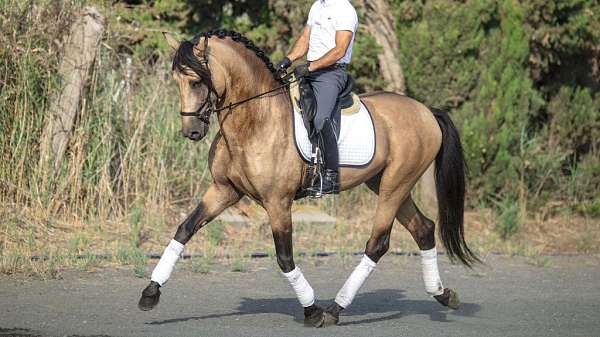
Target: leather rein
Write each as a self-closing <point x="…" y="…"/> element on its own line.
<point x="213" y="99"/>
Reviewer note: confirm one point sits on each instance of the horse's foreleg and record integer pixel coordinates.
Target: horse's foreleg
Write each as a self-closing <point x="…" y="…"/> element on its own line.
<point x="217" y="198"/>
<point x="281" y="225"/>
<point x="422" y="230"/>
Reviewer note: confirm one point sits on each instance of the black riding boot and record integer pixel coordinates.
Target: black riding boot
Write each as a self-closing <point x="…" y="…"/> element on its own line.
<point x="330" y="179"/>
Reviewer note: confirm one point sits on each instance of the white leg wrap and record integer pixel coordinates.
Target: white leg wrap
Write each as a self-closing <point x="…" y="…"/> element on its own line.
<point x="304" y="292"/>
<point x="431" y="275"/>
<point x="353" y="284"/>
<point x="165" y="266"/>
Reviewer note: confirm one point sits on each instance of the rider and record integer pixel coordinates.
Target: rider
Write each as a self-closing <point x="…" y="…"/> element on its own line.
<point x="327" y="38"/>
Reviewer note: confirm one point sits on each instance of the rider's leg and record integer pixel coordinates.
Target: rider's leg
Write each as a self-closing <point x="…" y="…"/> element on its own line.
<point x="327" y="86"/>
<point x="330" y="149"/>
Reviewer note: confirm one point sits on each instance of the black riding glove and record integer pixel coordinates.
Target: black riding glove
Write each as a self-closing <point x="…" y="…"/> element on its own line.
<point x="301" y="70"/>
<point x="283" y="65"/>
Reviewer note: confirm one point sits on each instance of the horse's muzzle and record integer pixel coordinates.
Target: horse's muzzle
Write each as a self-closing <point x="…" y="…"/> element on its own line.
<point x="195" y="136"/>
<point x="194" y="129"/>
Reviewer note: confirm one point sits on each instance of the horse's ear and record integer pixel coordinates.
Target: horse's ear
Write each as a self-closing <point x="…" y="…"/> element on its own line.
<point x="172" y="41"/>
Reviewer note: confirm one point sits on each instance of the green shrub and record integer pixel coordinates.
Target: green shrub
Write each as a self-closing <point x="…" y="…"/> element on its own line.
<point x="239" y="266"/>
<point x="508" y="218"/>
<point x="135" y="257"/>
<point x="215" y="233"/>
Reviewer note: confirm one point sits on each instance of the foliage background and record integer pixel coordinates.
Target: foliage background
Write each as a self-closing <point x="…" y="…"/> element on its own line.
<point x="521" y="79"/>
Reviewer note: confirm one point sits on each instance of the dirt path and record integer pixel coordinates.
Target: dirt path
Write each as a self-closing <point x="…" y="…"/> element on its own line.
<point x="508" y="298"/>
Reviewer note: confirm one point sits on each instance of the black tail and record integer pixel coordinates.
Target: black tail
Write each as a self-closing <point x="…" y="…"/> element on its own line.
<point x="450" y="187"/>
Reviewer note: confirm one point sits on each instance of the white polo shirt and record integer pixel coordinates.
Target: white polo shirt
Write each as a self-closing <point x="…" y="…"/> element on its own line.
<point x="325" y="18"/>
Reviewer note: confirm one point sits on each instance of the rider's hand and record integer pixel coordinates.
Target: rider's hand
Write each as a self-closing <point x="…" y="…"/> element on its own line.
<point x="283" y="65"/>
<point x="301" y="70"/>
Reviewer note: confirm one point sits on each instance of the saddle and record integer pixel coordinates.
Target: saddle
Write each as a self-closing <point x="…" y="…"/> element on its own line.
<point x="304" y="100"/>
<point x="356" y="134"/>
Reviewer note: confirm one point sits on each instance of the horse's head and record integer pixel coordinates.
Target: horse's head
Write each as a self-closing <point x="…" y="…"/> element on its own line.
<point x="198" y="93"/>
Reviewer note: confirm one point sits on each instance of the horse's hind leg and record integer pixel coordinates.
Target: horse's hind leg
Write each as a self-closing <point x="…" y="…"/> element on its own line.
<point x="422" y="230"/>
<point x="216" y="199"/>
<point x="389" y="200"/>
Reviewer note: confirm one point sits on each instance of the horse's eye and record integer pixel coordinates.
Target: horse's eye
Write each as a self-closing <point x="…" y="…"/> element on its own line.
<point x="196" y="84"/>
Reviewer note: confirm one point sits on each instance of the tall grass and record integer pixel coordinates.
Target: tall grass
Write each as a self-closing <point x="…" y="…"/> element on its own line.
<point x="125" y="157"/>
<point x="115" y="159"/>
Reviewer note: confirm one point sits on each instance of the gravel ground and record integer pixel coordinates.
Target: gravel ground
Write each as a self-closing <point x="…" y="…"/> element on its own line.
<point x="506" y="297"/>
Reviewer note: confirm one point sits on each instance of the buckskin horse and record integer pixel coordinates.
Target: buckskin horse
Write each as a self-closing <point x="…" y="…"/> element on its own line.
<point x="223" y="73"/>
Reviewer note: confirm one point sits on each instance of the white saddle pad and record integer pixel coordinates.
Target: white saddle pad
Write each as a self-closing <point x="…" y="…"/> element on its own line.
<point x="356" y="143"/>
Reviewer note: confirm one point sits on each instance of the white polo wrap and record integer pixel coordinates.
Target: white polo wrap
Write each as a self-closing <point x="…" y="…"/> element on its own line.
<point x="431" y="275"/>
<point x="356" y="280"/>
<point x="303" y="290"/>
<point x="164" y="268"/>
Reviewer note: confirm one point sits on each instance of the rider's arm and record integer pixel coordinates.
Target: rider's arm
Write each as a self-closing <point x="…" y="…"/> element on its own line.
<point x="342" y="42"/>
<point x="301" y="46"/>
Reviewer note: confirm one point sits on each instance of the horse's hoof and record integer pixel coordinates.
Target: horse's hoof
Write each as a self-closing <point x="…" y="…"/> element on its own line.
<point x="150" y="297"/>
<point x="449" y="299"/>
<point x="330" y="319"/>
<point x="313" y="316"/>
<point x="331" y="316"/>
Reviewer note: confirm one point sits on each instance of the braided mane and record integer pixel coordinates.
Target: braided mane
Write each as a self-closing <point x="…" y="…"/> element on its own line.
<point x="185" y="55"/>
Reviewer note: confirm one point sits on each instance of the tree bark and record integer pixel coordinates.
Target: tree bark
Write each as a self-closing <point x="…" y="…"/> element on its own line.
<point x="78" y="55"/>
<point x="381" y="25"/>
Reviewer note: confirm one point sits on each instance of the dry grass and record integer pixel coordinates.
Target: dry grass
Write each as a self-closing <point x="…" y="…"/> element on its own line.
<point x="74" y="245"/>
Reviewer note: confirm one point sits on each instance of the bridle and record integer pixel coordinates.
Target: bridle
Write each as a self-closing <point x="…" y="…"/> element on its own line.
<point x="213" y="100"/>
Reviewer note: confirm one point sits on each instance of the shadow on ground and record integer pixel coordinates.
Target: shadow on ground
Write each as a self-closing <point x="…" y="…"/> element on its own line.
<point x="22" y="332"/>
<point x="390" y="302"/>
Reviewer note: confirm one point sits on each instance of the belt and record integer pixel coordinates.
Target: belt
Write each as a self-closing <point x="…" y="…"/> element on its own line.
<point x="335" y="66"/>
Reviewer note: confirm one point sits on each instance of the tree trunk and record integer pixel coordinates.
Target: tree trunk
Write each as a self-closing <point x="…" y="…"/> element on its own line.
<point x="380" y="24"/>
<point x="79" y="52"/>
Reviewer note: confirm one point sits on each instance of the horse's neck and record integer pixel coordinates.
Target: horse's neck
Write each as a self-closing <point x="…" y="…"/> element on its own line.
<point x="263" y="121"/>
<point x="259" y="121"/>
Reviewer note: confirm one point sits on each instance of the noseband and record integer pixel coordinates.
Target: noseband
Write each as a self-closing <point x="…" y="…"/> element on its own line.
<point x="213" y="100"/>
